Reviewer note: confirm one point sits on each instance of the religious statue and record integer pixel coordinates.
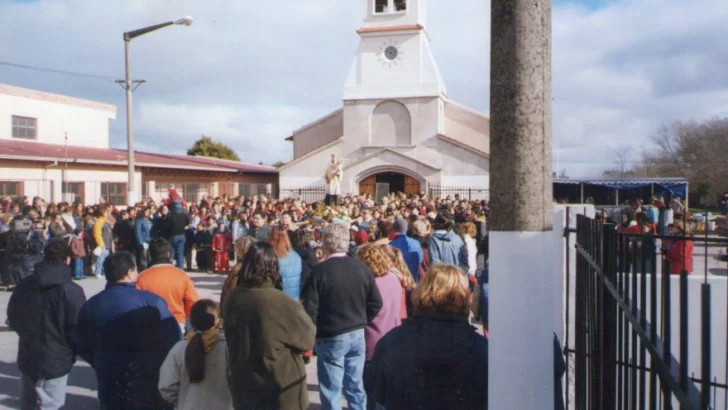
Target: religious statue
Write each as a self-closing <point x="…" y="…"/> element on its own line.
<point x="334" y="173"/>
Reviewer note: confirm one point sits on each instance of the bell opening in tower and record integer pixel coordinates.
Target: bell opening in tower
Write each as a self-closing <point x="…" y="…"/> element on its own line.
<point x="381" y="6"/>
<point x="400" y="5"/>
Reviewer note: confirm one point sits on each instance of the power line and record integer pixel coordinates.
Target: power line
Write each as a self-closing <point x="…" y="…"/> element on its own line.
<point x="52" y="70"/>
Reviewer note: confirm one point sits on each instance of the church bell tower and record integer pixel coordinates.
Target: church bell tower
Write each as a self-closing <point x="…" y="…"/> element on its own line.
<point x="393" y="59"/>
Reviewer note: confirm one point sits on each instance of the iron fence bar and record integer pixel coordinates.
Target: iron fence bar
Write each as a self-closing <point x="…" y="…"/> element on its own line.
<point x="625" y="332"/>
<point x="653" y="333"/>
<point x="635" y="311"/>
<point x="683" y="330"/>
<point x="609" y="329"/>
<point x="667" y="329"/>
<point x="712" y="384"/>
<point x="689" y="397"/>
<point x="643" y="318"/>
<point x="621" y="324"/>
<point x="705" y="348"/>
<point x="580" y="331"/>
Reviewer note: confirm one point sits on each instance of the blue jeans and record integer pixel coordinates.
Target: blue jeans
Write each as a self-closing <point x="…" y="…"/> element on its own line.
<point x="77" y="265"/>
<point x="99" y="271"/>
<point x="43" y="394"/>
<point x="177" y="243"/>
<point x="341" y="359"/>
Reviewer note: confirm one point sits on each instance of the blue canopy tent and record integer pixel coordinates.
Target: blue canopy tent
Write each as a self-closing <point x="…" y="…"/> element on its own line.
<point x="613" y="191"/>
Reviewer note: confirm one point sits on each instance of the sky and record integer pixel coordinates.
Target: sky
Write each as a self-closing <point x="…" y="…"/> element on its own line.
<point x="248" y="73"/>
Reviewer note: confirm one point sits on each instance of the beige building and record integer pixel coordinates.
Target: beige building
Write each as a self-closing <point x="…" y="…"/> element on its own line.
<point x="57" y="147"/>
<point x="397" y="130"/>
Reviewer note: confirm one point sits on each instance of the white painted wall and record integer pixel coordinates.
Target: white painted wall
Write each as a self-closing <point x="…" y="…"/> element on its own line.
<point x="85" y="126"/>
<point x="520" y="350"/>
<point x="413" y="73"/>
<point x="466" y="181"/>
<point x="48" y="182"/>
<point x="309" y="171"/>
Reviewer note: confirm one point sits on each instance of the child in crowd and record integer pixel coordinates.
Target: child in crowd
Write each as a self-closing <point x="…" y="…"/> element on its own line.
<point x="194" y="374"/>
<point x="221" y="244"/>
<point x="203" y="241"/>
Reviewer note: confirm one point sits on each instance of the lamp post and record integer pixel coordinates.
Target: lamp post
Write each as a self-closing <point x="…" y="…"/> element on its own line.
<point x="128" y="36"/>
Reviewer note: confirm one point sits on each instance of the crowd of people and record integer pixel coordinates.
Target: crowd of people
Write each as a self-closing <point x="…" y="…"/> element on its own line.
<point x="379" y="292"/>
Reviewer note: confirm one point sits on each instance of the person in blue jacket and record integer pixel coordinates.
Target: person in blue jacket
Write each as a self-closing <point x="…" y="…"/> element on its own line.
<point x="410" y="248"/>
<point x="125" y="334"/>
<point x="446" y="247"/>
<point x="143" y="231"/>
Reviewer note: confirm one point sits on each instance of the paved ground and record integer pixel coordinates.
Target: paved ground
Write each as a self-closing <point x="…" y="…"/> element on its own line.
<point x="82" y="380"/>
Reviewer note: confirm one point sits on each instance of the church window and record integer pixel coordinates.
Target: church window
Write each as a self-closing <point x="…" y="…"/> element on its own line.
<point x="381" y="6"/>
<point x="400" y="5"/>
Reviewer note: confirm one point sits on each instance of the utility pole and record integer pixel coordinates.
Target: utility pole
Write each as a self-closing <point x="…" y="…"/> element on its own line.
<point x="129" y="86"/>
<point x="521" y="323"/>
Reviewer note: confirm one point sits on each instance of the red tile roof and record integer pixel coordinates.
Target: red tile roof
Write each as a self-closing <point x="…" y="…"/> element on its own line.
<point x="239" y="166"/>
<point x="37" y="151"/>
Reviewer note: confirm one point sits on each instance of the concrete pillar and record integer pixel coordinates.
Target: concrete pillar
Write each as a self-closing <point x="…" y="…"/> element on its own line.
<point x="521" y="323"/>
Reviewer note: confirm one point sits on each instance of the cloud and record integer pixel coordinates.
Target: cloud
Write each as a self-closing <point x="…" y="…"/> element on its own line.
<point x="250" y="72"/>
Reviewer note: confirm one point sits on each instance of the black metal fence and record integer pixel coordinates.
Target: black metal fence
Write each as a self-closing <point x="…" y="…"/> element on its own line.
<point x="308" y="195"/>
<point x="471" y="194"/>
<point x="625" y="356"/>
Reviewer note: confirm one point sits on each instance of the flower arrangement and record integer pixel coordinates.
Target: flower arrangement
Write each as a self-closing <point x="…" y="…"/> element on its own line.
<point x="334" y="214"/>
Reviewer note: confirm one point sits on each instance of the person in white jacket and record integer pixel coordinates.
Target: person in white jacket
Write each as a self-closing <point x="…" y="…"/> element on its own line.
<point x="194" y="374"/>
<point x="469" y="233"/>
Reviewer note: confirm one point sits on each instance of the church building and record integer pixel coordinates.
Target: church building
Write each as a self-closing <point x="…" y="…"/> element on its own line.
<point x="397" y="130"/>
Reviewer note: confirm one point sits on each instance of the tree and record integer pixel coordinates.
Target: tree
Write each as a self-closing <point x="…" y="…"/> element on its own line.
<point x="278" y="164"/>
<point x="206" y="147"/>
<point x="623" y="169"/>
<point x="696" y="151"/>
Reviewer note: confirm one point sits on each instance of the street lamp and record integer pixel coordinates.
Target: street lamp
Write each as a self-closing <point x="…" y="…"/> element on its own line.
<point x="128" y="36"/>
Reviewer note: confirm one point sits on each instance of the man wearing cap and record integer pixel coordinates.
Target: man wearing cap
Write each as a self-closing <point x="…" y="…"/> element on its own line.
<point x="410" y="248"/>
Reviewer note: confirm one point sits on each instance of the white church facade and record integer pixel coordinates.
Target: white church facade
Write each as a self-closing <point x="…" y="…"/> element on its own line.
<point x="397" y="130"/>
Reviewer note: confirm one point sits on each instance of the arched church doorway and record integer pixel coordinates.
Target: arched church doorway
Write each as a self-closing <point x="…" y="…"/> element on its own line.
<point x="389" y="182"/>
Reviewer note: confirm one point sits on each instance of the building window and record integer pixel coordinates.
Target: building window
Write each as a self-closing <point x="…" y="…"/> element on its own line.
<point x="193" y="192"/>
<point x="381" y="6"/>
<point x="11" y="189"/>
<point x="245" y="190"/>
<point x="73" y="192"/>
<point x="262" y="189"/>
<point x="25" y="127"/>
<point x="389" y="6"/>
<point x="114" y="192"/>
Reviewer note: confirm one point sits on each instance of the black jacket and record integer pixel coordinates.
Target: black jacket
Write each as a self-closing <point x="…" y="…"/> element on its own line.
<point x="340" y="296"/>
<point x="125" y="232"/>
<point x="430" y="362"/>
<point x="43" y="311"/>
<point x="175" y="224"/>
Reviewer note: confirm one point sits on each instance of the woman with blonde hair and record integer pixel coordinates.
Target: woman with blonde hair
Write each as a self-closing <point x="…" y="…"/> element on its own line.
<point x="242" y="244"/>
<point x="391" y="290"/>
<point x="401" y="271"/>
<point x="469" y="233"/>
<point x="423" y="363"/>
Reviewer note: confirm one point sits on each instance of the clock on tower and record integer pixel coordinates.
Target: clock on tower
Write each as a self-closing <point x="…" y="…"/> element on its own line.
<point x="394" y="57"/>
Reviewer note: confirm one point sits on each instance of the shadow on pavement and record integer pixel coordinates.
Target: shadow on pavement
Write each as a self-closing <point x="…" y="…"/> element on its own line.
<point x="718" y="271"/>
<point x="81" y="376"/>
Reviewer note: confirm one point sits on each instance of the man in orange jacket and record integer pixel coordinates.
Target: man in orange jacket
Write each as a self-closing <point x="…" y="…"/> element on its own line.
<point x="172" y="284"/>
